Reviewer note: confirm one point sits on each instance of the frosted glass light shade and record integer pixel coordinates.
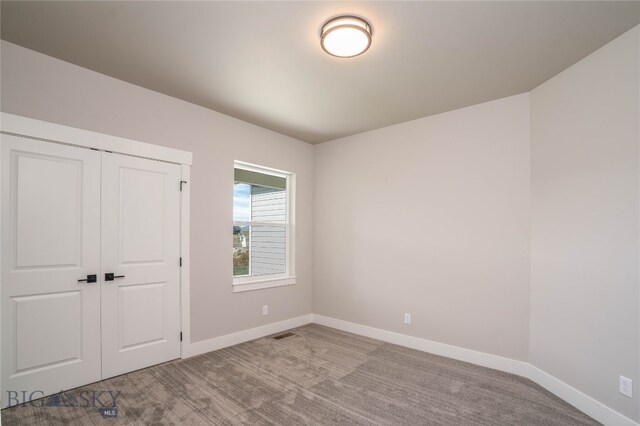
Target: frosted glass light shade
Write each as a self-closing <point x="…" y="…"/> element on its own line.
<point x="346" y="36"/>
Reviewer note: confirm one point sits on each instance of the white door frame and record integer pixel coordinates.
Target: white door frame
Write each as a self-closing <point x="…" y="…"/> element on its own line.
<point x="57" y="133"/>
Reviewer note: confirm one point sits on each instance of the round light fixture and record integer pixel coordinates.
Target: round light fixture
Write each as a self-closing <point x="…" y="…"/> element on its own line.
<point x="346" y="36"/>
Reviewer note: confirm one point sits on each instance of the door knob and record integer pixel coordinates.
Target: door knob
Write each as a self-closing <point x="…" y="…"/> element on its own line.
<point x="89" y="279"/>
<point x="109" y="276"/>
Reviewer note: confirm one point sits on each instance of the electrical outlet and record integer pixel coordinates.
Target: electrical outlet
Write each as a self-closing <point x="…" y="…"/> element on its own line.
<point x="265" y="309"/>
<point x="407" y="318"/>
<point x="626" y="386"/>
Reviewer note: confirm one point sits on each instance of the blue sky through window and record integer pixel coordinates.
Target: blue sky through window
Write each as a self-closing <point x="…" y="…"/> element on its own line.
<point x="242" y="202"/>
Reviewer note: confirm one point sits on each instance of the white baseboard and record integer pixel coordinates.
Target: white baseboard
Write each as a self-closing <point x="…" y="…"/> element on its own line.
<point x="227" y="340"/>
<point x="580" y="400"/>
<point x="468" y="355"/>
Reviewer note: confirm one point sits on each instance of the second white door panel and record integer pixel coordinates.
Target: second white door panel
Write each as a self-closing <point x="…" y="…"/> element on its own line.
<point x="140" y="244"/>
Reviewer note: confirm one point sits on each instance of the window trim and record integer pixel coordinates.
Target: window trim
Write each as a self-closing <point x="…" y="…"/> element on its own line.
<point x="249" y="283"/>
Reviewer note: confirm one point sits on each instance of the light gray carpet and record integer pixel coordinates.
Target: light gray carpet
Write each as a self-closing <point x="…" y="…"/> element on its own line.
<point x="318" y="376"/>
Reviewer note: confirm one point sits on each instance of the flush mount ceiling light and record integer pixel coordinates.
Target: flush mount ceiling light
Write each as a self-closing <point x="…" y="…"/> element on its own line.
<point x="346" y="36"/>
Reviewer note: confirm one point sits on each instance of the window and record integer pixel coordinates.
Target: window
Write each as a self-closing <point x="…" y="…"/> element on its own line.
<point x="262" y="228"/>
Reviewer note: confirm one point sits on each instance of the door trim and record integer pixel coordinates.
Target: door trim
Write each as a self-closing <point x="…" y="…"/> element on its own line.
<point x="52" y="132"/>
<point x="57" y="133"/>
<point x="185" y="202"/>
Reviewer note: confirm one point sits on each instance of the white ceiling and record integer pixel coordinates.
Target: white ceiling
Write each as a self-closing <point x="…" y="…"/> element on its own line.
<point x="262" y="62"/>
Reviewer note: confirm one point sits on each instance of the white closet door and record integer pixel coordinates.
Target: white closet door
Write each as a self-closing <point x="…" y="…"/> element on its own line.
<point x="140" y="247"/>
<point x="50" y="240"/>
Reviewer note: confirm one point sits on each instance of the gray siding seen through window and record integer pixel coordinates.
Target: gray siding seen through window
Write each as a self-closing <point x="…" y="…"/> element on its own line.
<point x="268" y="242"/>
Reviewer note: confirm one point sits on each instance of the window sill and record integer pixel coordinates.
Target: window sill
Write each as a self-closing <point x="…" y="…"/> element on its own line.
<point x="259" y="284"/>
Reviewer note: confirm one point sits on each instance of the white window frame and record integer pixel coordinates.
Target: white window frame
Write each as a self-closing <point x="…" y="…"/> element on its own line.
<point x="249" y="283"/>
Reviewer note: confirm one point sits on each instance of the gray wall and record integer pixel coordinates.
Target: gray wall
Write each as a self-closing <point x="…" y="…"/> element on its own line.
<point x="585" y="318"/>
<point x="38" y="86"/>
<point x="430" y="217"/>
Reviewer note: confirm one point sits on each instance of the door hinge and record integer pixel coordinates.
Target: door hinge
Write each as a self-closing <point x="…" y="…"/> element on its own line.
<point x="181" y="336"/>
<point x="181" y="262"/>
<point x="182" y="182"/>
